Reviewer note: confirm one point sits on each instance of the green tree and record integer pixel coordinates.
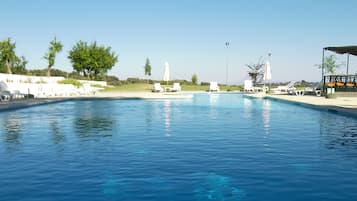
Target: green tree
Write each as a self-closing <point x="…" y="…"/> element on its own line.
<point x="19" y="66"/>
<point x="50" y="56"/>
<point x="194" y="79"/>
<point x="7" y="54"/>
<point x="92" y="60"/>
<point x="330" y="64"/>
<point x="147" y="67"/>
<point x="256" y="71"/>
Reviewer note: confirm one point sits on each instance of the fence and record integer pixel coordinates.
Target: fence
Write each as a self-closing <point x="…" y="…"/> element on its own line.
<point x="341" y="83"/>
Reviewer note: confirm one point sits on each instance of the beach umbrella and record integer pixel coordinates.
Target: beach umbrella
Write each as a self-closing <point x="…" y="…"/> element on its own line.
<point x="3" y="86"/>
<point x="267" y="72"/>
<point x="166" y="72"/>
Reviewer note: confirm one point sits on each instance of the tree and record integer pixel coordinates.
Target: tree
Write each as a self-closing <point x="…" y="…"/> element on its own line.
<point x="330" y="64"/>
<point x="50" y="56"/>
<point x="92" y="60"/>
<point x="194" y="79"/>
<point x="256" y="71"/>
<point x="7" y="54"/>
<point x="147" y="67"/>
<point x="19" y="66"/>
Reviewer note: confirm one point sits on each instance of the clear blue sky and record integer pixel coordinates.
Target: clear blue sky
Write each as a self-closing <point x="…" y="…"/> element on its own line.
<point x="189" y="34"/>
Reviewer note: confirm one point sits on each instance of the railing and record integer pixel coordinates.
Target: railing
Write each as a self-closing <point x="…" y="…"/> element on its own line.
<point x="341" y="83"/>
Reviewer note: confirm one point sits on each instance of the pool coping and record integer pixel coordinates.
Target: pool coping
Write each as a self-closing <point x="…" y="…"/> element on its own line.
<point x="25" y="103"/>
<point x="19" y="104"/>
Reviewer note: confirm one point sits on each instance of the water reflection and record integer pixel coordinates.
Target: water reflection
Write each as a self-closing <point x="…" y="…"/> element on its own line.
<point x="266" y="115"/>
<point x="148" y="116"/>
<point x="12" y="131"/>
<point x="167" y="111"/>
<point x="213" y="99"/>
<point x="57" y="136"/>
<point x="89" y="126"/>
<point x="94" y="121"/>
<point x="338" y="132"/>
<point x="247" y="112"/>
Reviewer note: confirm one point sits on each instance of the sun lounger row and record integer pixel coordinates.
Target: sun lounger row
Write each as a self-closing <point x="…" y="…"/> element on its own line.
<point x="16" y="95"/>
<point x="176" y="87"/>
<point x="213" y="87"/>
<point x="157" y="88"/>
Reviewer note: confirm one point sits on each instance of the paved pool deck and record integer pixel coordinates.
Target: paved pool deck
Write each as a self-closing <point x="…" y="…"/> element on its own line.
<point x="143" y="95"/>
<point x="17" y="104"/>
<point x="346" y="105"/>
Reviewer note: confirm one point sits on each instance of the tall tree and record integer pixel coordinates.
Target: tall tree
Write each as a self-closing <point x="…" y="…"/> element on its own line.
<point x="330" y="64"/>
<point x="7" y="54"/>
<point x="19" y="65"/>
<point x="50" y="56"/>
<point x="194" y="79"/>
<point x="256" y="71"/>
<point x="147" y="67"/>
<point x="92" y="60"/>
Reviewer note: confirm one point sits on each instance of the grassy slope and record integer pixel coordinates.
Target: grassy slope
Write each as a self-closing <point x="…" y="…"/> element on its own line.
<point x="130" y="87"/>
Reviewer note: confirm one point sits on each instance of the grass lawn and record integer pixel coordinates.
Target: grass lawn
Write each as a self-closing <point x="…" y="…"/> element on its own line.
<point x="148" y="87"/>
<point x="130" y="87"/>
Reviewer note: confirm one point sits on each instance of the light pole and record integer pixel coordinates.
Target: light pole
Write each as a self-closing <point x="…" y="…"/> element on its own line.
<point x="227" y="44"/>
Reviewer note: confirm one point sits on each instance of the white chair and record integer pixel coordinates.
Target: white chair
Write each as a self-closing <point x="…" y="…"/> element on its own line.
<point x="157" y="88"/>
<point x="176" y="87"/>
<point x="5" y="96"/>
<point x="213" y="86"/>
<point x="248" y="86"/>
<point x="314" y="90"/>
<point x="285" y="89"/>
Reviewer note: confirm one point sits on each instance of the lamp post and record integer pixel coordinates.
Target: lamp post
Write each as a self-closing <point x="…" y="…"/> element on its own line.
<point x="227" y="44"/>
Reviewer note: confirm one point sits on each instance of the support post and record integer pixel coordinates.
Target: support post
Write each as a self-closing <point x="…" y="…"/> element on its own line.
<point x="227" y="44"/>
<point x="322" y="71"/>
<point x="323" y="63"/>
<point x="348" y="63"/>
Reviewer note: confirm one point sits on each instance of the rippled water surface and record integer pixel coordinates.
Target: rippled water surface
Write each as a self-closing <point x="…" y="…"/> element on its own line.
<point x="213" y="147"/>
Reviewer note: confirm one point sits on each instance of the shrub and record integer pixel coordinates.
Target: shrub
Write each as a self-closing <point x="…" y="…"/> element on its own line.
<point x="331" y="96"/>
<point x="96" y="85"/>
<point x="71" y="81"/>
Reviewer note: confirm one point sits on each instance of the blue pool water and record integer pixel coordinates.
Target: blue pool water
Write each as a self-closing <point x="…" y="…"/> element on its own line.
<point x="213" y="147"/>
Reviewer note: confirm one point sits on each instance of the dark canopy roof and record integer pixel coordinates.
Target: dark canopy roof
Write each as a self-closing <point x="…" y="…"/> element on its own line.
<point x="343" y="50"/>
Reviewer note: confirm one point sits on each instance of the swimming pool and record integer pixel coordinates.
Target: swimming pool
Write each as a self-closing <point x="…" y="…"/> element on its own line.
<point x="213" y="147"/>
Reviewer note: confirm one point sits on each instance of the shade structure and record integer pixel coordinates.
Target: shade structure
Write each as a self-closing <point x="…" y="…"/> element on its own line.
<point x="166" y="77"/>
<point x="343" y="50"/>
<point x="267" y="72"/>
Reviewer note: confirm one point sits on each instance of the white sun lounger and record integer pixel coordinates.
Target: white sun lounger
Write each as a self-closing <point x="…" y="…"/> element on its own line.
<point x="157" y="88"/>
<point x="213" y="86"/>
<point x="176" y="87"/>
<point x="285" y="88"/>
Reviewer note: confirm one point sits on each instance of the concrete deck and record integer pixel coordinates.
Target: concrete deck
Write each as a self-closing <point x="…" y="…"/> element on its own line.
<point x="17" y="104"/>
<point x="347" y="105"/>
<point x="143" y="95"/>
